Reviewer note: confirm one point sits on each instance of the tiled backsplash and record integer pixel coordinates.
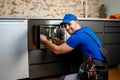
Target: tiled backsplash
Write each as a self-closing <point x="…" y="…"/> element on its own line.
<point x="48" y="8"/>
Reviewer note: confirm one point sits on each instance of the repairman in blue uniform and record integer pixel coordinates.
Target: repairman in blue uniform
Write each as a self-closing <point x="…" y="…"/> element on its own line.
<point x="78" y="38"/>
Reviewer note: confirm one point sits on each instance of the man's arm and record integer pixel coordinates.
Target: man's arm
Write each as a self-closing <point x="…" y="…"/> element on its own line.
<point x="57" y="49"/>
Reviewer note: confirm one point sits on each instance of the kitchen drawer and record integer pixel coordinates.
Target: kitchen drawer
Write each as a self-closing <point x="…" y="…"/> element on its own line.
<point x="112" y="29"/>
<point x="42" y="56"/>
<point x="46" y="70"/>
<point x="114" y="54"/>
<point x="112" y="26"/>
<point x="112" y="23"/>
<point x="97" y="26"/>
<point x="112" y="38"/>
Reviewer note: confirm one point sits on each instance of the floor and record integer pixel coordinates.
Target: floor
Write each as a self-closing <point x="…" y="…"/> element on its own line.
<point x="114" y="74"/>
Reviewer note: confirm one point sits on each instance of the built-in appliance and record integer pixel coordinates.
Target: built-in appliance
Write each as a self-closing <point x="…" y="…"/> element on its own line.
<point x="49" y="28"/>
<point x="13" y="49"/>
<point x="49" y="31"/>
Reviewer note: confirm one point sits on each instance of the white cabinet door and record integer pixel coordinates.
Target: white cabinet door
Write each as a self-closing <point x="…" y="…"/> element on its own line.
<point x="13" y="49"/>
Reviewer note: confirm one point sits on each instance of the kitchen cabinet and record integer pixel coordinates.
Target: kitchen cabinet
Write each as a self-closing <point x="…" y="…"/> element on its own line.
<point x="41" y="60"/>
<point x="112" y="41"/>
<point x="43" y="63"/>
<point x="13" y="49"/>
<point x="17" y="48"/>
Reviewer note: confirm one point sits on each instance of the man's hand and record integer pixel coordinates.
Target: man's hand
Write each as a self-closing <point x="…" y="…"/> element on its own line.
<point x="57" y="41"/>
<point x="43" y="38"/>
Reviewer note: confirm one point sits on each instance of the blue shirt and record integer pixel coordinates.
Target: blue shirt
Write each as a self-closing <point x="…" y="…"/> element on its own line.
<point x="85" y="42"/>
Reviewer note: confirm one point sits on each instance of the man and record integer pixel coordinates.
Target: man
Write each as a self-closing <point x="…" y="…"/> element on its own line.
<point x="79" y="39"/>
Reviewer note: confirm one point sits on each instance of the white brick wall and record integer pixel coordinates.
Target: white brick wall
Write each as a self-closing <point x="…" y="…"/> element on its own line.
<point x="48" y="8"/>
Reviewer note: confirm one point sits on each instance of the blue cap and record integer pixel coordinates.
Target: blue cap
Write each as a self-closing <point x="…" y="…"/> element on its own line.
<point x="68" y="18"/>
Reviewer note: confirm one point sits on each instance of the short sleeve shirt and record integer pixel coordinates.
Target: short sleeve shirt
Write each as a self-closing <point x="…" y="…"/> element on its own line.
<point x="85" y="43"/>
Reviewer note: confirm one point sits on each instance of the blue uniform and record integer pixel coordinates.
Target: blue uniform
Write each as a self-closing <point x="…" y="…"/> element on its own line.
<point x="85" y="42"/>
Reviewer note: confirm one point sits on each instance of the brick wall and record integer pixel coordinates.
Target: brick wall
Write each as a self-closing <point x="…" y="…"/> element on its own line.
<point x="48" y="8"/>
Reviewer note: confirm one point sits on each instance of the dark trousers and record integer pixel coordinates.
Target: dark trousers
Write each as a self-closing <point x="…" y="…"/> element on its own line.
<point x="101" y="68"/>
